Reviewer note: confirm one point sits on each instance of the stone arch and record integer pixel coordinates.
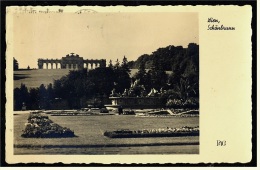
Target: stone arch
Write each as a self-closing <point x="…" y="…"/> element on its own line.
<point x="46" y="65"/>
<point x="70" y="62"/>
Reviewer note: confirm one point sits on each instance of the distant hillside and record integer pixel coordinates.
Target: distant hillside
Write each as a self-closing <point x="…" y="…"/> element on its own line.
<point x="171" y="58"/>
<point x="34" y="78"/>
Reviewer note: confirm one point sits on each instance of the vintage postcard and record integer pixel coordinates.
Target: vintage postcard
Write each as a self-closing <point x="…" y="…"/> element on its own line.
<point x="117" y="84"/>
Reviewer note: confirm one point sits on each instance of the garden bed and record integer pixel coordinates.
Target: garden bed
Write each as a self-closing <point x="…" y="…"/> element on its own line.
<point x="40" y="126"/>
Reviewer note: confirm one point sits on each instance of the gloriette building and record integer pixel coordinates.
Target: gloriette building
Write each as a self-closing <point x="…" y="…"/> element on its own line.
<point x="70" y="61"/>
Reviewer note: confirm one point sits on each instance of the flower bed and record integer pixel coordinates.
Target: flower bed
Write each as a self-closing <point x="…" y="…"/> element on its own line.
<point x="40" y="126"/>
<point x="161" y="132"/>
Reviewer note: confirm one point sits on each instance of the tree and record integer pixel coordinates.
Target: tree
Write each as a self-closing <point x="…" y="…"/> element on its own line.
<point x="15" y="64"/>
<point x="103" y="79"/>
<point x="21" y="96"/>
<point x="131" y="64"/>
<point x="125" y="66"/>
<point x="117" y="65"/>
<point x="170" y="56"/>
<point x="43" y="97"/>
<point x="34" y="98"/>
<point x="110" y="65"/>
<point x="185" y="75"/>
<point x="50" y="92"/>
<point x="17" y="99"/>
<point x="75" y="87"/>
<point x="148" y="81"/>
<point x="122" y="76"/>
<point x="144" y="77"/>
<point x="143" y="58"/>
<point x="158" y="75"/>
<point x="58" y="88"/>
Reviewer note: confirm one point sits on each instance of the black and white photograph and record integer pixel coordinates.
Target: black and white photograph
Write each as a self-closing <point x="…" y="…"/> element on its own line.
<point x="105" y="83"/>
<point x="129" y="84"/>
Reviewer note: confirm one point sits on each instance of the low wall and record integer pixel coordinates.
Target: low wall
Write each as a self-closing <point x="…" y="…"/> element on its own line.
<point x="137" y="102"/>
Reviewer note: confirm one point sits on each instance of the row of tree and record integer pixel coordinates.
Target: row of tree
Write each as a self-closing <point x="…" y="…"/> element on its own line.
<point x="181" y="87"/>
<point x="170" y="57"/>
<point x="178" y="88"/>
<point x="78" y="85"/>
<point x="33" y="98"/>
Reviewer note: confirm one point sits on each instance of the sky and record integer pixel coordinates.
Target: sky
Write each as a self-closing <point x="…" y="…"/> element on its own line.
<point x="107" y="36"/>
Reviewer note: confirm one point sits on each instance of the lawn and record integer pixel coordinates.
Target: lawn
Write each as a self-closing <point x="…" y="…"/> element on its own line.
<point x="34" y="78"/>
<point x="90" y="139"/>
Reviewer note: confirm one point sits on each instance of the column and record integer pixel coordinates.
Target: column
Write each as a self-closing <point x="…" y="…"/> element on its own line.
<point x="40" y="66"/>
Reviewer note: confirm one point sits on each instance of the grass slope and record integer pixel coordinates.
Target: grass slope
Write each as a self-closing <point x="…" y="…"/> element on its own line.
<point x="34" y="78"/>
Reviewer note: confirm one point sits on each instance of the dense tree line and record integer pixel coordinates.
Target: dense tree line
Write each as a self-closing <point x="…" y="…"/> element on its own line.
<point x="78" y="85"/>
<point x="33" y="98"/>
<point x="179" y="89"/>
<point x="170" y="57"/>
